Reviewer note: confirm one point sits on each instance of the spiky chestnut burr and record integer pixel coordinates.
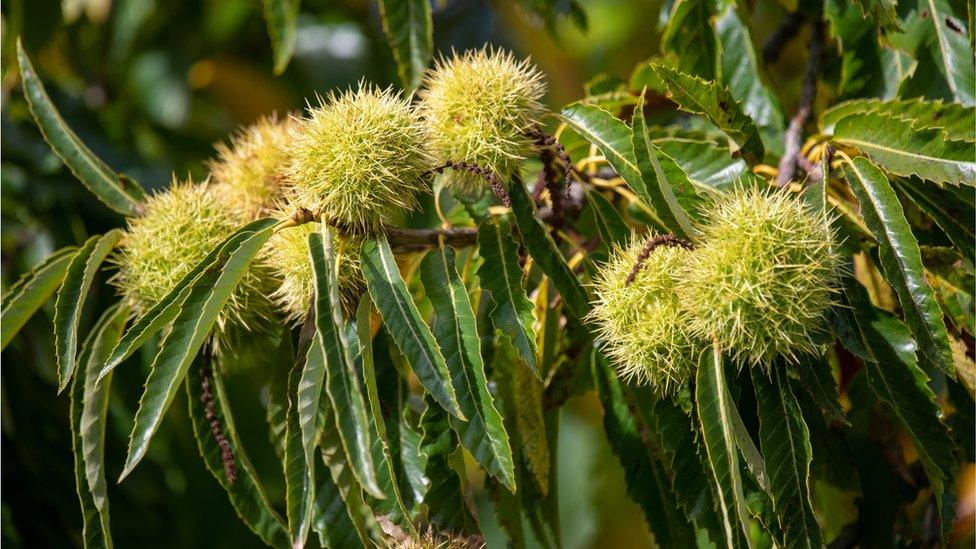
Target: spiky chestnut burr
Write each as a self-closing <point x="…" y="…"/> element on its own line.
<point x="639" y="316"/>
<point x="287" y="257"/>
<point x="178" y="227"/>
<point x="359" y="158"/>
<point x="764" y="278"/>
<point x="480" y="108"/>
<point x="249" y="172"/>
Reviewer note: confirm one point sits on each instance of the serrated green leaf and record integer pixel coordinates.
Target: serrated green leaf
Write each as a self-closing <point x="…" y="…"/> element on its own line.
<point x="71" y="300"/>
<point x="89" y="408"/>
<point x="611" y="136"/>
<point x="120" y="193"/>
<point x="689" y="38"/>
<point x="405" y="324"/>
<point x="345" y="481"/>
<point x="246" y="493"/>
<point x="818" y="381"/>
<point x="341" y="378"/>
<point x="299" y="472"/>
<point x="740" y="71"/>
<point x="647" y="483"/>
<point x="611" y="225"/>
<point x="409" y="30"/>
<point x="715" y="408"/>
<point x="895" y="376"/>
<point x="716" y="103"/>
<point x="709" y="166"/>
<point x="786" y="448"/>
<point x="160" y="314"/>
<point x="331" y="520"/>
<point x="901" y="260"/>
<point x="955" y="217"/>
<point x="938" y="27"/>
<point x="667" y="188"/>
<point x="547" y="256"/>
<point x="190" y="329"/>
<point x="31" y="290"/>
<point x="501" y="277"/>
<point x="958" y="122"/>
<point x="450" y="506"/>
<point x="883" y="11"/>
<point x="281" y="17"/>
<point x="456" y="330"/>
<point x="901" y="149"/>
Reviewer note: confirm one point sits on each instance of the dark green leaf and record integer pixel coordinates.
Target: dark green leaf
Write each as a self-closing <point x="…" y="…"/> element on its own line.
<point x="190" y="329"/>
<point x="405" y="324"/>
<point x="901" y="149"/>
<point x="447" y="498"/>
<point x="901" y="260"/>
<point x="709" y="166"/>
<point x="501" y="276"/>
<point x="613" y="229"/>
<point x="787" y="452"/>
<point x="89" y="408"/>
<point x="958" y="122"/>
<point x="456" y="330"/>
<point x="71" y="300"/>
<point x="647" y="483"/>
<point x="246" y="494"/>
<point x="409" y="30"/>
<point x="342" y="383"/>
<point x="547" y="256"/>
<point x="955" y="217"/>
<point x="667" y="188"/>
<point x="689" y="38"/>
<point x="818" y="381"/>
<point x="281" y="16"/>
<point x="895" y="376"/>
<point x="345" y="482"/>
<point x="715" y="409"/>
<point x="31" y="290"/>
<point x="611" y="136"/>
<point x="299" y="472"/>
<point x="716" y="103"/>
<point x="331" y="520"/>
<point x="935" y="28"/>
<point x="118" y="192"/>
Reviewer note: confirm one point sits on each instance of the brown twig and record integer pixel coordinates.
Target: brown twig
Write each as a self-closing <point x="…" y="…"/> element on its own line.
<point x="794" y="133"/>
<point x="402" y="239"/>
<point x="652" y="244"/>
<point x="785" y="32"/>
<point x="210" y="412"/>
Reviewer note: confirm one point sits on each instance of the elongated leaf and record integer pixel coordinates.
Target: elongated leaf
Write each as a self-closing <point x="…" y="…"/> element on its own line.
<point x="901" y="260"/>
<point x="741" y="72"/>
<point x="955" y="217"/>
<point x="647" y="484"/>
<point x="246" y="494"/>
<point x="689" y="38"/>
<point x="281" y="16"/>
<point x="949" y="47"/>
<point x="895" y="376"/>
<point x="342" y="385"/>
<point x="715" y="409"/>
<point x="31" y="290"/>
<point x="331" y="520"/>
<point x="716" y="103"/>
<point x="456" y="330"/>
<point x="501" y="277"/>
<point x="299" y="472"/>
<point x="118" y="192"/>
<point x="409" y="30"/>
<point x="160" y="314"/>
<point x="345" y="482"/>
<point x="611" y="136"/>
<point x="71" y="300"/>
<point x="787" y="452"/>
<point x="613" y="229"/>
<point x="547" y="256"/>
<point x="448" y="500"/>
<point x="190" y="329"/>
<point x="277" y="410"/>
<point x="709" y="166"/>
<point x="815" y="377"/>
<point x="667" y="187"/>
<point x="89" y="408"/>
<point x="958" y="122"/>
<point x="405" y="324"/>
<point x="386" y="473"/>
<point x="893" y="144"/>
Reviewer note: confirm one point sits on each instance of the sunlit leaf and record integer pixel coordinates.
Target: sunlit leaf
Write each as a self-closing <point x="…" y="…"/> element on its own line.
<point x="281" y="17"/>
<point x="31" y="290"/>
